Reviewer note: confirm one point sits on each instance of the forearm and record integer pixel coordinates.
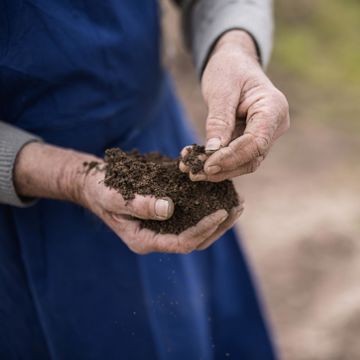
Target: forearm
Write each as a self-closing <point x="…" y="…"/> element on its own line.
<point x="48" y="171"/>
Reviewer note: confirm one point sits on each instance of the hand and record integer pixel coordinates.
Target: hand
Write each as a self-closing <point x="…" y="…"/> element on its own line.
<point x="121" y="215"/>
<point x="47" y="171"/>
<point x="246" y="113"/>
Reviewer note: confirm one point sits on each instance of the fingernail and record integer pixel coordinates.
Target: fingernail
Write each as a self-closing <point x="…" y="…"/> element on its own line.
<point x="162" y="208"/>
<point x="213" y="144"/>
<point x="212" y="170"/>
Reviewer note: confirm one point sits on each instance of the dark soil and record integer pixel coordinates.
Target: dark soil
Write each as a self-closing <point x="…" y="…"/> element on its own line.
<point x="192" y="160"/>
<point x="154" y="174"/>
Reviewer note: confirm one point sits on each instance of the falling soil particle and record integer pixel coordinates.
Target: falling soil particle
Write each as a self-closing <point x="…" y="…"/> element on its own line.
<point x="157" y="175"/>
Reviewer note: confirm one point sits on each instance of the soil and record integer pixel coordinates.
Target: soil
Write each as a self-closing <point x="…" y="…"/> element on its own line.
<point x="132" y="173"/>
<point x="193" y="158"/>
<point x="90" y="166"/>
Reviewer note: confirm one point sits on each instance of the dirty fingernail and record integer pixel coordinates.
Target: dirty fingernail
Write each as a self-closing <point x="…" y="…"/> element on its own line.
<point x="212" y="170"/>
<point x="213" y="144"/>
<point x="162" y="208"/>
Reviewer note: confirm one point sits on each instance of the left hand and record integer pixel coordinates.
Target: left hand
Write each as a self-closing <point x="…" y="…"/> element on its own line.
<point x="246" y="112"/>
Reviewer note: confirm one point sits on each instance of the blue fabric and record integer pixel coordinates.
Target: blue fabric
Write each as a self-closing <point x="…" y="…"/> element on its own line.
<point x="87" y="75"/>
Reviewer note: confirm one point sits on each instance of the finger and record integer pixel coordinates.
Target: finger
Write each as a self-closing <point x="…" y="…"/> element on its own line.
<point x="185" y="151"/>
<point x="220" y="122"/>
<point x="138" y="240"/>
<point x="189" y="239"/>
<point x="240" y="126"/>
<point x="248" y="168"/>
<point x="141" y="240"/>
<point x="262" y="123"/>
<point x="225" y="226"/>
<point x="149" y="207"/>
<point x="185" y="164"/>
<point x="197" y="177"/>
<point x="144" y="241"/>
<point x="127" y="230"/>
<point x="239" y="152"/>
<point x="183" y="168"/>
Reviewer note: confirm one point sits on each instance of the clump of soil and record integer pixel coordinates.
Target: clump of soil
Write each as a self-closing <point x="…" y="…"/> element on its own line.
<point x="195" y="158"/>
<point x="154" y="174"/>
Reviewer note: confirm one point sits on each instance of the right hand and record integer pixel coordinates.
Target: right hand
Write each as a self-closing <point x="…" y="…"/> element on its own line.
<point x="120" y="215"/>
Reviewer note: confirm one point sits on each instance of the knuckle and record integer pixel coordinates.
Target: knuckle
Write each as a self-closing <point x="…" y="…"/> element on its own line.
<point x="112" y="200"/>
<point x="116" y="224"/>
<point x="282" y="101"/>
<point x="262" y="144"/>
<point x="186" y="249"/>
<point x="277" y="104"/>
<point x="217" y="178"/>
<point x="253" y="166"/>
<point x="221" y="115"/>
<point x="144" y="207"/>
<point x="150" y="208"/>
<point x="139" y="250"/>
<point x="237" y="156"/>
<point x="185" y="151"/>
<point x="217" y="122"/>
<point x="138" y="245"/>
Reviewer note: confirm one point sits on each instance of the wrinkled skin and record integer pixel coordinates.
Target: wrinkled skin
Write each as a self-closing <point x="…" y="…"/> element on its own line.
<point x="36" y="176"/>
<point x="246" y="112"/>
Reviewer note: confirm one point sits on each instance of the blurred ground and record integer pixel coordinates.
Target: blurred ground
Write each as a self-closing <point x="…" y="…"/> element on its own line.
<point x="301" y="227"/>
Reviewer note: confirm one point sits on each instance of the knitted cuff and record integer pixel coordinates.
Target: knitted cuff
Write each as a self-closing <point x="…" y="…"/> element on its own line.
<point x="12" y="140"/>
<point x="212" y="18"/>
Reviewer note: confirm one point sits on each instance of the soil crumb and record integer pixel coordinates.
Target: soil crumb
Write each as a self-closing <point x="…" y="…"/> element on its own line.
<point x="91" y="165"/>
<point x="195" y="158"/>
<point x="132" y="173"/>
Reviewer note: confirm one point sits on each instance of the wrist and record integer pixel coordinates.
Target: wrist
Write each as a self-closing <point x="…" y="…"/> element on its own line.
<point x="238" y="40"/>
<point x="47" y="171"/>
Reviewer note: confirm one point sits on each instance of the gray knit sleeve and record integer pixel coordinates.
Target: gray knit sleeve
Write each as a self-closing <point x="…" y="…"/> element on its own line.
<point x="11" y="142"/>
<point x="204" y="21"/>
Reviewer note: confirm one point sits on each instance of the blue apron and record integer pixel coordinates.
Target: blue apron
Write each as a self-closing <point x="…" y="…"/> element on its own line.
<point x="87" y="75"/>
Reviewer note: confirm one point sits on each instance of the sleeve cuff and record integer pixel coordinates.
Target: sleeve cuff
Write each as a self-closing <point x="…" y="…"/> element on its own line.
<point x="12" y="140"/>
<point x="212" y="18"/>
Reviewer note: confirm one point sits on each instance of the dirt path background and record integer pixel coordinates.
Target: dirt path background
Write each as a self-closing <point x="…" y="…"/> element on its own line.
<point x="301" y="225"/>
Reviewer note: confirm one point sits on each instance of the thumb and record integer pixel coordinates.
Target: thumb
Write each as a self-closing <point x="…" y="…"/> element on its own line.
<point x="150" y="207"/>
<point x="220" y="123"/>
